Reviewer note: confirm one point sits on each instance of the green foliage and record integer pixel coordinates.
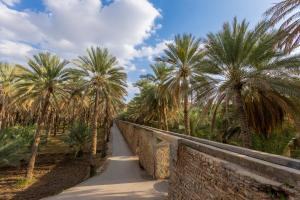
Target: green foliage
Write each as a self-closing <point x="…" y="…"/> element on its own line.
<point x="285" y="13"/>
<point x="275" y="143"/>
<point x="242" y="62"/>
<point x="14" y="144"/>
<point x="46" y="73"/>
<point x="79" y="137"/>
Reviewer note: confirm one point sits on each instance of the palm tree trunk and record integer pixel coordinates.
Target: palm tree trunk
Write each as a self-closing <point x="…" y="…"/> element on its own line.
<point x="245" y="131"/>
<point x="186" y="114"/>
<point x="93" y="150"/>
<point x="64" y="123"/>
<point x="37" y="137"/>
<point x="2" y="114"/>
<point x="295" y="141"/>
<point x="165" y="118"/>
<point x="159" y="120"/>
<point x="49" y="125"/>
<point x="56" y="124"/>
<point x="73" y="112"/>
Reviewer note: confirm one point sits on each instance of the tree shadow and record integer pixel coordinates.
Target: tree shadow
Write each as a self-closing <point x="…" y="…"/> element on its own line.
<point x="126" y="191"/>
<point x="63" y="175"/>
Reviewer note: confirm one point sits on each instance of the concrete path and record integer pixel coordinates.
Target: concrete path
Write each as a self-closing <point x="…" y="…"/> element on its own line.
<point x="122" y="180"/>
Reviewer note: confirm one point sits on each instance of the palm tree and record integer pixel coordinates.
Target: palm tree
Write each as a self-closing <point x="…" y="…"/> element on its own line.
<point x="183" y="55"/>
<point x="7" y="87"/>
<point x="287" y="12"/>
<point x="42" y="81"/>
<point x="102" y="76"/>
<point x="242" y="67"/>
<point x="159" y="98"/>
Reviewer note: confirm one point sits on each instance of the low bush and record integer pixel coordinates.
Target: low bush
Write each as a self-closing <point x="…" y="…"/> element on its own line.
<point x="15" y="145"/>
<point x="275" y="143"/>
<point x="78" y="138"/>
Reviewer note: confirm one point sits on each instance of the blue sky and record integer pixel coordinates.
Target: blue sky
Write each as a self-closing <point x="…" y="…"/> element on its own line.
<point x="134" y="30"/>
<point x="200" y="17"/>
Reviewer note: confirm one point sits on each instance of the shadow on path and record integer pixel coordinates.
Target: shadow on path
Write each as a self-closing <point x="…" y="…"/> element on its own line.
<point x="123" y="179"/>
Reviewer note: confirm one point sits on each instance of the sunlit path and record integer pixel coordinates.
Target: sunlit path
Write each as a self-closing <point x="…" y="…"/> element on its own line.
<point x="123" y="179"/>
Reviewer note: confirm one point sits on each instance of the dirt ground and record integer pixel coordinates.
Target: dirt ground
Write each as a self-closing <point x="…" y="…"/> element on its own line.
<point x="53" y="174"/>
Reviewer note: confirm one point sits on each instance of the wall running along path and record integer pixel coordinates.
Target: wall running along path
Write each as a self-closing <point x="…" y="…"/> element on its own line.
<point x="196" y="169"/>
<point x="123" y="179"/>
<point x="202" y="169"/>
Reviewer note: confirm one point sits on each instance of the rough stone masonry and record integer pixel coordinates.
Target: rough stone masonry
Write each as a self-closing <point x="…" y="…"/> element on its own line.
<point x="200" y="171"/>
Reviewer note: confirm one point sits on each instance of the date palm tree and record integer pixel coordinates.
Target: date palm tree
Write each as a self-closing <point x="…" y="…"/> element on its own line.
<point x="243" y="67"/>
<point x="101" y="76"/>
<point x="183" y="55"/>
<point x="41" y="81"/>
<point x="287" y="13"/>
<point x="7" y="87"/>
<point x="159" y="98"/>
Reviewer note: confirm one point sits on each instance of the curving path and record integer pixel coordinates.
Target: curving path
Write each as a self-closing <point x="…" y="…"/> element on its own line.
<point x="122" y="180"/>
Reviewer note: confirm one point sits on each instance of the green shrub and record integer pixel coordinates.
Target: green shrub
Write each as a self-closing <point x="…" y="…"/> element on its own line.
<point x="15" y="145"/>
<point x="79" y="136"/>
<point x="275" y="143"/>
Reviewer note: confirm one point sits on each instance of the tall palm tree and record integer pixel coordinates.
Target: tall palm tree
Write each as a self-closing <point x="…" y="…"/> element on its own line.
<point x="41" y="81"/>
<point x="242" y="62"/>
<point x="102" y="76"/>
<point x="159" y="97"/>
<point x="287" y="12"/>
<point x="183" y="55"/>
<point x="7" y="87"/>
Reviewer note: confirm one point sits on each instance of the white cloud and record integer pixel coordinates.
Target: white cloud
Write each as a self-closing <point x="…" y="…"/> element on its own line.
<point x="150" y="52"/>
<point x="14" y="51"/>
<point x="10" y="2"/>
<point x="296" y="51"/>
<point x="130" y="67"/>
<point x="132" y="90"/>
<point x="68" y="27"/>
<point x="143" y="71"/>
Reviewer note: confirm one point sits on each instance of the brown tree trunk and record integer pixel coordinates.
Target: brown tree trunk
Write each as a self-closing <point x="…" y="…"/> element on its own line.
<point x="2" y="113"/>
<point x="186" y="114"/>
<point x="37" y="137"/>
<point x="245" y="131"/>
<point x="49" y="125"/>
<point x="64" y="123"/>
<point x="160" y="125"/>
<point x="56" y="124"/>
<point x="165" y="117"/>
<point x="93" y="150"/>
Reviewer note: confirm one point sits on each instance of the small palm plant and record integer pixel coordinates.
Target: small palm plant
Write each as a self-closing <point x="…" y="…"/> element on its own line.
<point x="183" y="55"/>
<point x="79" y="137"/>
<point x="102" y="76"/>
<point x="244" y="67"/>
<point x="41" y="81"/>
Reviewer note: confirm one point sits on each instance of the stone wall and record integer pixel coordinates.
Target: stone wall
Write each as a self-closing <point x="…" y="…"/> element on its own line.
<point x="198" y="170"/>
<point x="128" y="132"/>
<point x="200" y="176"/>
<point x="153" y="153"/>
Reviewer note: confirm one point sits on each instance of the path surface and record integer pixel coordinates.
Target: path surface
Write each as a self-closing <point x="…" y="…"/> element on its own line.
<point x="122" y="180"/>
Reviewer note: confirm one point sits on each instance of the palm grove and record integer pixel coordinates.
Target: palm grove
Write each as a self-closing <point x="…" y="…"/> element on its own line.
<point x="242" y="81"/>
<point x="231" y="86"/>
<point x="50" y="95"/>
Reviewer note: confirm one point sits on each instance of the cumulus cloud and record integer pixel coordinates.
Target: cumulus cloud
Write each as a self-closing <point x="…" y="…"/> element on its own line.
<point x="132" y="90"/>
<point x="68" y="27"/>
<point x="14" y="51"/>
<point x="150" y="52"/>
<point x="10" y="2"/>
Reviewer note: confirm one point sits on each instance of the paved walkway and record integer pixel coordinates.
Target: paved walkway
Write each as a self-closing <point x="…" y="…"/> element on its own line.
<point x="122" y="180"/>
